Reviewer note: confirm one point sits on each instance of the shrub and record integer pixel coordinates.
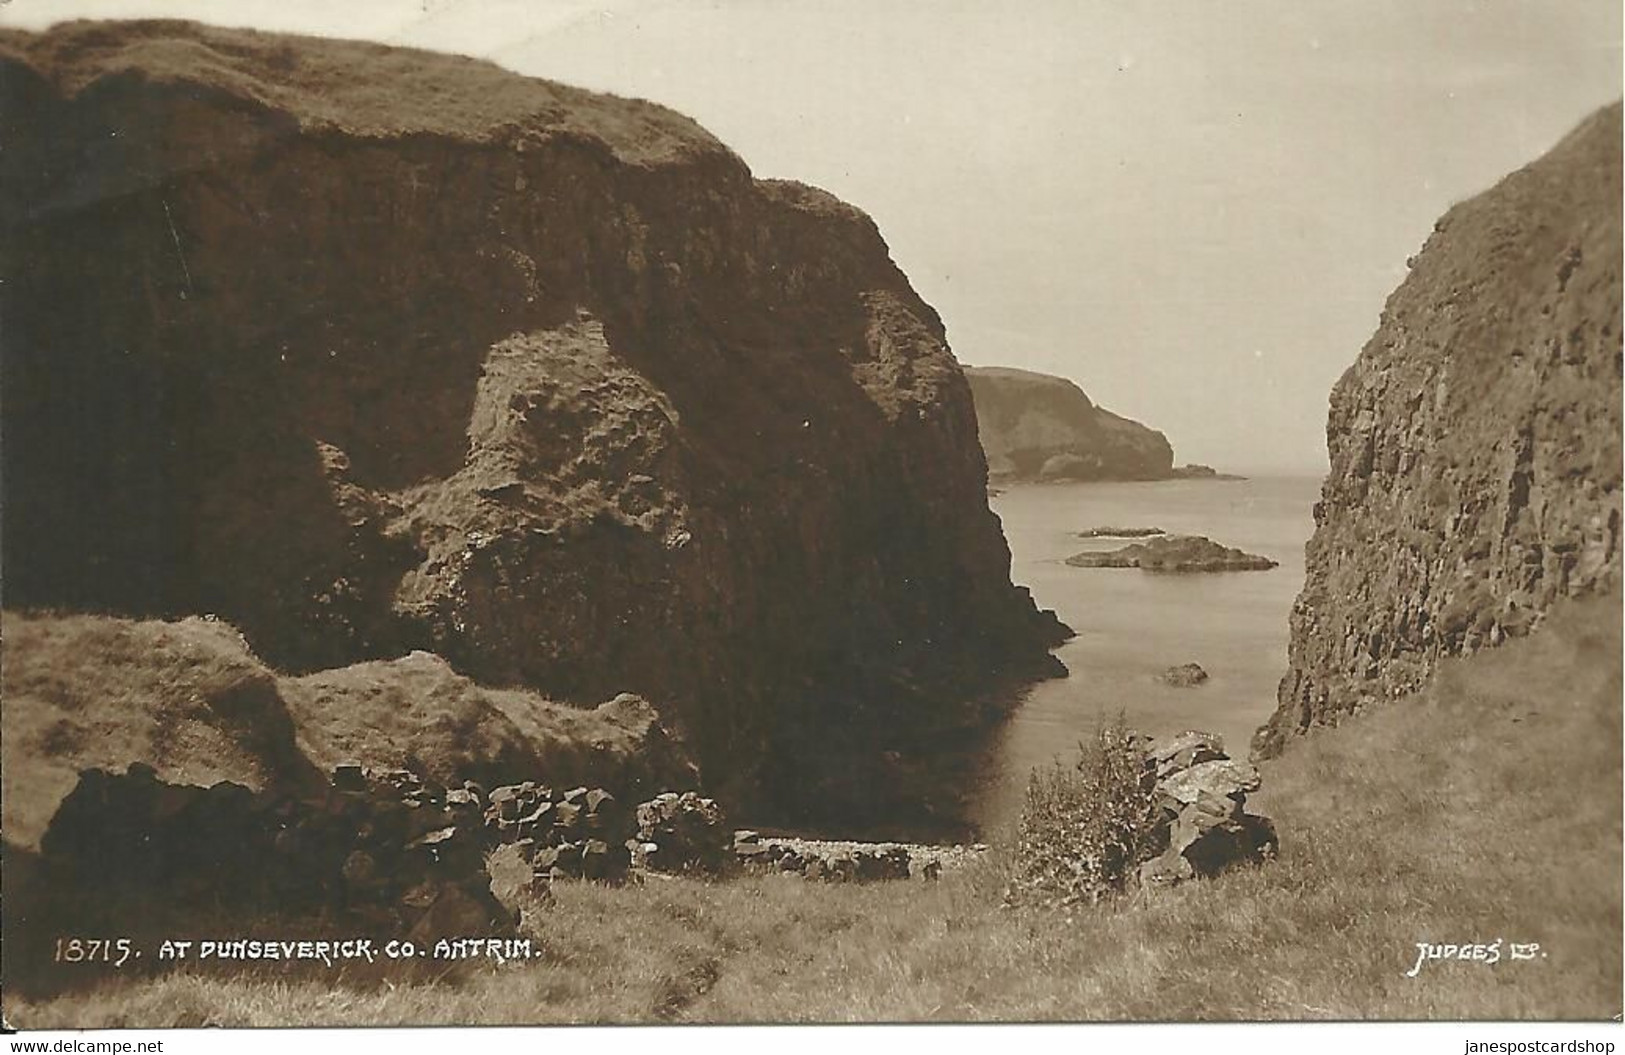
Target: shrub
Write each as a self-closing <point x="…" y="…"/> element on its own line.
<point x="1086" y="828"/>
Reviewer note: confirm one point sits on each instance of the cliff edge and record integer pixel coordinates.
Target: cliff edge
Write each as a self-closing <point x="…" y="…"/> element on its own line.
<point x="1475" y="443"/>
<point x="370" y="350"/>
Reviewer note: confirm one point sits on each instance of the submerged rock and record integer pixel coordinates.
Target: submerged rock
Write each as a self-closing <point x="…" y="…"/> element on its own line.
<point x="1197" y="471"/>
<point x="1121" y="532"/>
<point x="1184" y="676"/>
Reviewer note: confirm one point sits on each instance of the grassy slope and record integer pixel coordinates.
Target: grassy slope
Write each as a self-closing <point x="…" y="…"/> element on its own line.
<point x="1487" y="808"/>
<point x="186" y="696"/>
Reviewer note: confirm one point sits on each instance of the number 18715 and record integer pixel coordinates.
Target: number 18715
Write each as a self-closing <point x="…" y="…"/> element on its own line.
<point x="116" y="951"/>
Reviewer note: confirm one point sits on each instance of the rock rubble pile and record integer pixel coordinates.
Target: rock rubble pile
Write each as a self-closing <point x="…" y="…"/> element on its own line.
<point x="1202" y="794"/>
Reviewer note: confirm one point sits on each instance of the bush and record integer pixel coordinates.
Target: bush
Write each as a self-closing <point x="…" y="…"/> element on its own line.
<point x="1086" y="828"/>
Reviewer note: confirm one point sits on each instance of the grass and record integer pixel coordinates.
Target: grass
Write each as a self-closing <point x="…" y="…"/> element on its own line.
<point x="360" y="88"/>
<point x="85" y="690"/>
<point x="1487" y="807"/>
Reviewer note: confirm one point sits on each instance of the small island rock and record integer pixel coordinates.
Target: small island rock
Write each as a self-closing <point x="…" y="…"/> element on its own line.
<point x="1174" y="553"/>
<point x="1184" y="676"/>
<point x="1122" y="532"/>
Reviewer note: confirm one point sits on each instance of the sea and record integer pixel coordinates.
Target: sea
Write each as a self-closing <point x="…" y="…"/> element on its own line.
<point x="1133" y="625"/>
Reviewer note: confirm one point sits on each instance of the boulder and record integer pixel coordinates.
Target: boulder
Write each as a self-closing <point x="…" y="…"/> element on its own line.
<point x="1184" y="676"/>
<point x="1178" y="753"/>
<point x="457" y="910"/>
<point x="1220" y="780"/>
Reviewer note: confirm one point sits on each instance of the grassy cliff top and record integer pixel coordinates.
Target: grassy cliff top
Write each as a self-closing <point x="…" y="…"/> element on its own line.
<point x="355" y="87"/>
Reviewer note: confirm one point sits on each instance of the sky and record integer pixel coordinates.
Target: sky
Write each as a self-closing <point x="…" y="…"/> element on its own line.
<point x="1192" y="208"/>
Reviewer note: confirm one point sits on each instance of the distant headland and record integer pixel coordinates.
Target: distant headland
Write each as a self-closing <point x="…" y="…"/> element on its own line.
<point x="1040" y="427"/>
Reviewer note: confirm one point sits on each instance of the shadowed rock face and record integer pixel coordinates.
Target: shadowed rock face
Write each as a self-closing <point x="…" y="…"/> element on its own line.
<point x="1475" y="443"/>
<point x="370" y="350"/>
<point x="1037" y="427"/>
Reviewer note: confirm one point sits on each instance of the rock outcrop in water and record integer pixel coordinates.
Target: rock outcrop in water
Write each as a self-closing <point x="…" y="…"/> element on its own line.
<point x="1173" y="553"/>
<point x="1184" y="676"/>
<point x="371" y="350"/>
<point x="1037" y="427"/>
<point x="1122" y="532"/>
<point x="1197" y="471"/>
<point x="1475" y="443"/>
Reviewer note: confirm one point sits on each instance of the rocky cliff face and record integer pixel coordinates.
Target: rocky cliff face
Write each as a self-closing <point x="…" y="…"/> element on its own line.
<point x="1037" y="427"/>
<point x="1475" y="443"/>
<point x="372" y="350"/>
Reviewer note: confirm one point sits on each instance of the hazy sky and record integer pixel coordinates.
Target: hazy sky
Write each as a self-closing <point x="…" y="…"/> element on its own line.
<point x="1193" y="208"/>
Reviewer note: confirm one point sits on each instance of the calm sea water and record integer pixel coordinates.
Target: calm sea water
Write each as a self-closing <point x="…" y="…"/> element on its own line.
<point x="1133" y="625"/>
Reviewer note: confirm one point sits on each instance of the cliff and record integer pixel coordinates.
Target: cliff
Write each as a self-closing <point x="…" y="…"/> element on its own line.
<point x="370" y="350"/>
<point x="1037" y="427"/>
<point x="1475" y="443"/>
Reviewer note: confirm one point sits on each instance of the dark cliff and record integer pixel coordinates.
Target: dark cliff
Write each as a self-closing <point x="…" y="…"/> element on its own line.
<point x="371" y="350"/>
<point x="1475" y="443"/>
<point x="1037" y="427"/>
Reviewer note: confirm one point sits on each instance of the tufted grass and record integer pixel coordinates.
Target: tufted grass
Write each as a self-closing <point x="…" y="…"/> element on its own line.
<point x="1487" y="807"/>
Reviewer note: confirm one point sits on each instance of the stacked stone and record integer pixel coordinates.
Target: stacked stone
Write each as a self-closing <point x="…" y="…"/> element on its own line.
<point x="839" y="866"/>
<point x="383" y="849"/>
<point x="577" y="834"/>
<point x="413" y="852"/>
<point x="682" y="833"/>
<point x="1202" y="794"/>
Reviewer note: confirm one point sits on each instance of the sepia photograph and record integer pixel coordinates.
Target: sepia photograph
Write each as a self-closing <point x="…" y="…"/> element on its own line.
<point x="742" y="512"/>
